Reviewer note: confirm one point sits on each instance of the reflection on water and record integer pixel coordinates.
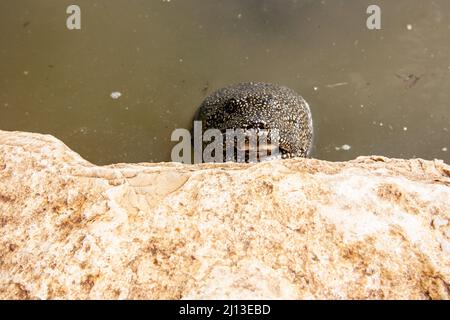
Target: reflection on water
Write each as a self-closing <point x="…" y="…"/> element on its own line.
<point x="115" y="90"/>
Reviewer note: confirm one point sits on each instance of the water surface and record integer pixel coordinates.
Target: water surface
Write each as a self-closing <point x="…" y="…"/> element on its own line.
<point x="383" y="92"/>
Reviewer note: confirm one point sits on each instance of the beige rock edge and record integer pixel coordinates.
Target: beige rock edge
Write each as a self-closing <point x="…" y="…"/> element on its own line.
<point x="291" y="229"/>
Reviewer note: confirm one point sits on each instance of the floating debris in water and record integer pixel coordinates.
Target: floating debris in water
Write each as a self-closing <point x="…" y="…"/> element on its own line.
<point x="344" y="147"/>
<point x="239" y="15"/>
<point x="315" y="88"/>
<point x="410" y="80"/>
<point x="444" y="149"/>
<point x="26" y="72"/>
<point x="339" y="84"/>
<point x="409" y="27"/>
<point x="115" y="95"/>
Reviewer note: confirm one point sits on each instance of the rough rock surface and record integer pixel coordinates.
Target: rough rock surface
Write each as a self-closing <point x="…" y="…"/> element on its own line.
<point x="294" y="229"/>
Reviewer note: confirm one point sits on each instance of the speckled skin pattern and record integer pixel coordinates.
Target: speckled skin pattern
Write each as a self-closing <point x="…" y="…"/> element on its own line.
<point x="266" y="106"/>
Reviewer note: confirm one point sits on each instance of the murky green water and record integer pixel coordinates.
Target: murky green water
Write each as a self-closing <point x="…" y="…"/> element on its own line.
<point x="381" y="92"/>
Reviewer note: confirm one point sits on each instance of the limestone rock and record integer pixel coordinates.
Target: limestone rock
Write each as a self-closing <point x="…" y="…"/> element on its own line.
<point x="371" y="228"/>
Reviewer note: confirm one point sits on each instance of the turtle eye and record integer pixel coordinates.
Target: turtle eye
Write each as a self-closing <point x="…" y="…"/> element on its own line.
<point x="231" y="105"/>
